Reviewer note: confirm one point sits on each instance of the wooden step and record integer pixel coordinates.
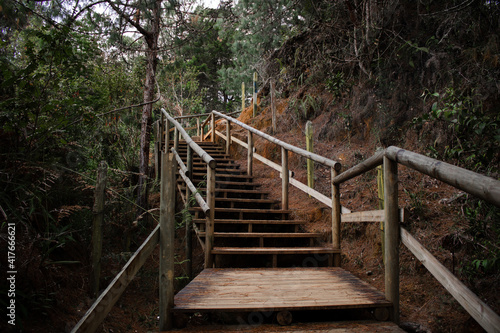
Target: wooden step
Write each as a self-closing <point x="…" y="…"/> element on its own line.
<point x="236" y="221"/>
<point x="235" y="193"/>
<point x="241" y="177"/>
<point x="274" y="250"/>
<point x="246" y="210"/>
<point x="233" y="202"/>
<point x="265" y="234"/>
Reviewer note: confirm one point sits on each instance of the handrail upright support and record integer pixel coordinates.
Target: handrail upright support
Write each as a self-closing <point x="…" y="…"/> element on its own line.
<point x="336" y="217"/>
<point x="392" y="237"/>
<point x="284" y="178"/>
<point x="228" y="136"/>
<point x="176" y="139"/>
<point x="209" y="229"/>
<point x="167" y="230"/>
<point x="212" y="124"/>
<point x="189" y="226"/>
<point x="250" y="153"/>
<point x="167" y="135"/>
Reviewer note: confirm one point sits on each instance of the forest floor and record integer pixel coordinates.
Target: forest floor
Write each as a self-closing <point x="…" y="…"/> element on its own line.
<point x="435" y="216"/>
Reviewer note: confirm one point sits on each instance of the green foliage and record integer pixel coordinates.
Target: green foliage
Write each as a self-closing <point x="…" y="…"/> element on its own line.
<point x="257" y="28"/>
<point x="473" y="134"/>
<point x="336" y="85"/>
<point x="484" y="229"/>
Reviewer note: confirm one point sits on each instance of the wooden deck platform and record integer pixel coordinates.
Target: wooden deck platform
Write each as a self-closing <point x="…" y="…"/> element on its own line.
<point x="326" y="327"/>
<point x="277" y="289"/>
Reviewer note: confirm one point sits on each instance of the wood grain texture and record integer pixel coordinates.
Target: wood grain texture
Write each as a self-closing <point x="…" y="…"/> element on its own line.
<point x="277" y="289"/>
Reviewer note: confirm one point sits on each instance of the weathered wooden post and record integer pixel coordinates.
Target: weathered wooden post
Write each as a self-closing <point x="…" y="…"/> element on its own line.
<point x="250" y="153"/>
<point x="167" y="136"/>
<point x="167" y="230"/>
<point x="391" y="235"/>
<point x="242" y="96"/>
<point x="176" y="139"/>
<point x="336" y="211"/>
<point x="309" y="147"/>
<point x="273" y="107"/>
<point x="380" y="186"/>
<point x="254" y="94"/>
<point x="189" y="226"/>
<point x="212" y="124"/>
<point x="198" y="126"/>
<point x="228" y="136"/>
<point x="157" y="147"/>
<point x="210" y="224"/>
<point x="97" y="221"/>
<point x="284" y="178"/>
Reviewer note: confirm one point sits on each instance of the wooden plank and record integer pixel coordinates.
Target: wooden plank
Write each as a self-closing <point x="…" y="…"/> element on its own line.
<point x="249" y="326"/>
<point x="371" y="216"/>
<point x="315" y="194"/>
<point x="481" y="186"/>
<point x="103" y="304"/>
<point x="273" y="250"/>
<point x="479" y="310"/>
<point x="267" y="234"/>
<point x="275" y="289"/>
<point x="249" y="210"/>
<point x="235" y="221"/>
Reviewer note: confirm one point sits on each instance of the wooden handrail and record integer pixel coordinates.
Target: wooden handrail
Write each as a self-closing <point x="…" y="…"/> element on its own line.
<point x="107" y="299"/>
<point x="302" y="152"/>
<point x="481" y="186"/>
<point x="183" y="169"/>
<point x="196" y="148"/>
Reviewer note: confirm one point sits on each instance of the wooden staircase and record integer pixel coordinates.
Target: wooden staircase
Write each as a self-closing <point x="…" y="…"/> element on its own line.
<point x="251" y="230"/>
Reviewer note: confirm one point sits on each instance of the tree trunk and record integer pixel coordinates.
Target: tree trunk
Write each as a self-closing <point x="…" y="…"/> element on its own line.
<point x="146" y="121"/>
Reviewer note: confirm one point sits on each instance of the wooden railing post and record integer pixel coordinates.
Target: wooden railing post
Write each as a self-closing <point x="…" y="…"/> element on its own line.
<point x="228" y="136"/>
<point x="167" y="136"/>
<point x="336" y="211"/>
<point x="380" y="185"/>
<point x="391" y="213"/>
<point x="176" y="139"/>
<point x="309" y="147"/>
<point x="212" y="124"/>
<point x="273" y="107"/>
<point x="189" y="226"/>
<point x="254" y="94"/>
<point x="242" y="96"/>
<point x="209" y="229"/>
<point x="198" y="126"/>
<point x="250" y="153"/>
<point x="167" y="230"/>
<point x="202" y="130"/>
<point x="98" y="218"/>
<point x="284" y="178"/>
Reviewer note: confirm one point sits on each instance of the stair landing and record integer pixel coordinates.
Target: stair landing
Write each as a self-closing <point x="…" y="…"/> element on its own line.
<point x="277" y="289"/>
